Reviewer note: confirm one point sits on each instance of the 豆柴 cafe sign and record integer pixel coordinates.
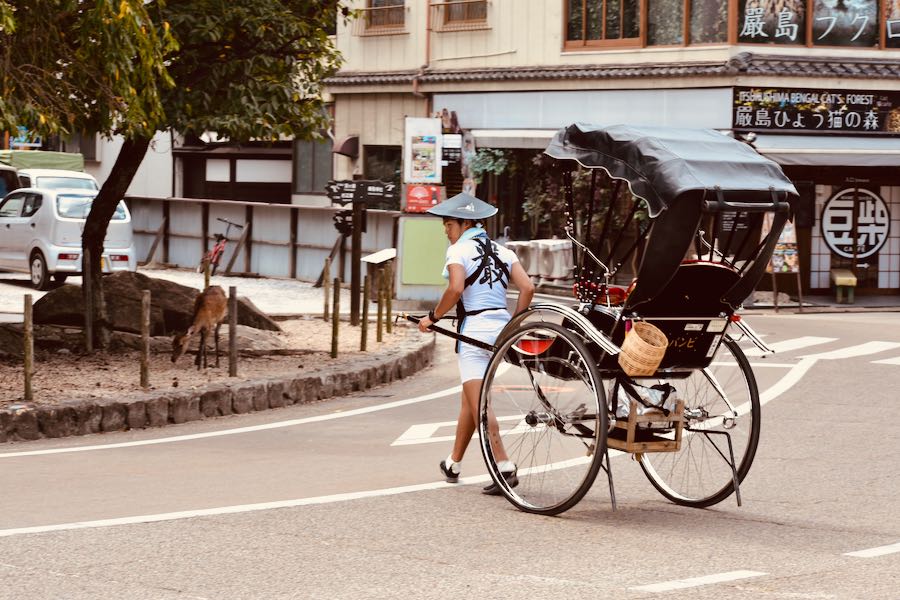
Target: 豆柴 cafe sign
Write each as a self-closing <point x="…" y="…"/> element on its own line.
<point x="816" y="110"/>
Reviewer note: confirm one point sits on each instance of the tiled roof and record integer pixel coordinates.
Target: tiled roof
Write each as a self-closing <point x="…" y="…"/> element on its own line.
<point x="744" y="63"/>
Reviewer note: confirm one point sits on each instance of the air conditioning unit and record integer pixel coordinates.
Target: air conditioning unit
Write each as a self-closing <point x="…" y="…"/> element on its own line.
<point x="527" y="253"/>
<point x="555" y="259"/>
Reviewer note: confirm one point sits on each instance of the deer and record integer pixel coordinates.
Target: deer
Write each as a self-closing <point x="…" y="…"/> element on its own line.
<point x="210" y="308"/>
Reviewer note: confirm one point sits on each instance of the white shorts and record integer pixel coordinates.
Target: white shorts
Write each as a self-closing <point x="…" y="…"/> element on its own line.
<point x="486" y="326"/>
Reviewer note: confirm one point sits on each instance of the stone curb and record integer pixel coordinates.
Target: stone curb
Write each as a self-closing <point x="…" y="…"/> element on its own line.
<point x="161" y="408"/>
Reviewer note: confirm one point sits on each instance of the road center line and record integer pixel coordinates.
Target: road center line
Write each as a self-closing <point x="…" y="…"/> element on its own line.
<point x="680" y="584"/>
<point x="873" y="552"/>
<point x="249" y="429"/>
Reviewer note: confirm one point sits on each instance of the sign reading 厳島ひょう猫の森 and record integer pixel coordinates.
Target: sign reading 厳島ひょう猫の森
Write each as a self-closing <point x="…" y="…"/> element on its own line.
<point x="816" y="111"/>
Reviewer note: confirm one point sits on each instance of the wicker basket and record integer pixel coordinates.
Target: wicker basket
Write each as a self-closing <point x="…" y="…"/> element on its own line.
<point x="643" y="350"/>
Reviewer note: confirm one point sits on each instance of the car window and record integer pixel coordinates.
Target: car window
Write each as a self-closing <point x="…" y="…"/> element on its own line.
<point x="32" y="204"/>
<point x="78" y="207"/>
<point x="12" y="206"/>
<point x="25" y="180"/>
<point x="8" y="182"/>
<point x="58" y="183"/>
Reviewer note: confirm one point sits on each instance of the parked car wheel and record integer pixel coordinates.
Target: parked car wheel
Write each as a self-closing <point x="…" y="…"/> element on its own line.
<point x="60" y="277"/>
<point x="40" y="278"/>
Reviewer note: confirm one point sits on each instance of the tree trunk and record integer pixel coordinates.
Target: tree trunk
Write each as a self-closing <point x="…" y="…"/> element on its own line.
<point x="102" y="210"/>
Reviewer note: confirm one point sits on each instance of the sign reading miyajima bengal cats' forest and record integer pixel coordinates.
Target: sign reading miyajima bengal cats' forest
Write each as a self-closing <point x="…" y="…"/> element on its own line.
<point x="816" y="110"/>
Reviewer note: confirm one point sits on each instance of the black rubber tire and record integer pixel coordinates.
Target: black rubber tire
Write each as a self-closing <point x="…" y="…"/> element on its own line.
<point x="520" y="496"/>
<point x="37" y="266"/>
<point x="696" y="447"/>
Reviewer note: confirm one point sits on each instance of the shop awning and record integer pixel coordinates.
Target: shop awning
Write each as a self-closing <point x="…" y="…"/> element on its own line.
<point x="835" y="150"/>
<point x="536" y="139"/>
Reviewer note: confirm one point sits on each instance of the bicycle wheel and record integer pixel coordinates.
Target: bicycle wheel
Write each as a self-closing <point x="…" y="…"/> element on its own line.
<point x="542" y="397"/>
<point x="698" y="474"/>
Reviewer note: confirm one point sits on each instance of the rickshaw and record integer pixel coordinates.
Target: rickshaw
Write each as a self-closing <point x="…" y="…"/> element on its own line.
<point x="676" y="232"/>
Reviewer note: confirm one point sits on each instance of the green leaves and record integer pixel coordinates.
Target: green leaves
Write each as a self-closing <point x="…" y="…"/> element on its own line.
<point x="246" y="69"/>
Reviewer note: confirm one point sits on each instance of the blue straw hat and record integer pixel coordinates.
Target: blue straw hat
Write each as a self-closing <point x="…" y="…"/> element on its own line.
<point x="464" y="206"/>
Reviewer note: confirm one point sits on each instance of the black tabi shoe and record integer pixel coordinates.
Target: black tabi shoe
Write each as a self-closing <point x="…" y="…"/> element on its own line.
<point x="494" y="490"/>
<point x="450" y="476"/>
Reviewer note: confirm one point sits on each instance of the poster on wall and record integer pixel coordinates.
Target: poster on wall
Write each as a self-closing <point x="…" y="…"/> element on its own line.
<point x="422" y="150"/>
<point x="784" y="258"/>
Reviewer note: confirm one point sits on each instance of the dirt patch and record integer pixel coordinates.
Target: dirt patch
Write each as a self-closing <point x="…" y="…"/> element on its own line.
<point x="60" y="376"/>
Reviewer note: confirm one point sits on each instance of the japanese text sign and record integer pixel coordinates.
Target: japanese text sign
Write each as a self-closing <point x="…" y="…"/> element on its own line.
<point x="810" y="110"/>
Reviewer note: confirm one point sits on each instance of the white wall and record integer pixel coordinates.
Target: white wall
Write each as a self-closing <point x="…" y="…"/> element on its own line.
<point x="154" y="176"/>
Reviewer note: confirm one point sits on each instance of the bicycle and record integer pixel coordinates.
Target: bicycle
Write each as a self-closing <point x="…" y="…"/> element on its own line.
<point x="212" y="257"/>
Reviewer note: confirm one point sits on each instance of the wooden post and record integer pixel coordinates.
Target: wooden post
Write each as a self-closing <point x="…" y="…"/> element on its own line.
<point x="206" y="270"/>
<point x="28" y="349"/>
<point x="389" y="294"/>
<point x="145" y="339"/>
<point x="380" y="325"/>
<point x="88" y="302"/>
<point x="355" y="258"/>
<point x="326" y="284"/>
<point x="159" y="236"/>
<point x="232" y="331"/>
<point x="364" y="334"/>
<point x="242" y="242"/>
<point x="335" y="316"/>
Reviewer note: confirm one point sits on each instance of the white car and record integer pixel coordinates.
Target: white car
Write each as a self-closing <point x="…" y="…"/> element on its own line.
<point x="57" y="179"/>
<point x="40" y="234"/>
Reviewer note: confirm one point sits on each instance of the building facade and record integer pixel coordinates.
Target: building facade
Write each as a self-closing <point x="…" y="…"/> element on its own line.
<point x="813" y="84"/>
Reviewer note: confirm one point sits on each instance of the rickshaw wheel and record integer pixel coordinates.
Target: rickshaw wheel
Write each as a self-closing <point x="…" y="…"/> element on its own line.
<point x="698" y="474"/>
<point x="542" y="394"/>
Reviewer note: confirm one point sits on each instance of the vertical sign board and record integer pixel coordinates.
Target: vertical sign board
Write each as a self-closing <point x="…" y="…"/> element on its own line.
<point x="785" y="258"/>
<point x="422" y="151"/>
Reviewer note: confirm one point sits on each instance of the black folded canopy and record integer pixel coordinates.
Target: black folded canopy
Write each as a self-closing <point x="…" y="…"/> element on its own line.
<point x="660" y="163"/>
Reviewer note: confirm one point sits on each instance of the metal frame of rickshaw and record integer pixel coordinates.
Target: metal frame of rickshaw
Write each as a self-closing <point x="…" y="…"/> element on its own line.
<point x="691" y="217"/>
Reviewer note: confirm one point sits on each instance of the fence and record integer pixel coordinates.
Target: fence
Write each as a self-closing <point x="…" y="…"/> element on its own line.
<point x="283" y="240"/>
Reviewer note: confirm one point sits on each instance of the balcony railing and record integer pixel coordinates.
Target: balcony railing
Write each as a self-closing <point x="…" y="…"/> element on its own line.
<point x="381" y="20"/>
<point x="459" y="15"/>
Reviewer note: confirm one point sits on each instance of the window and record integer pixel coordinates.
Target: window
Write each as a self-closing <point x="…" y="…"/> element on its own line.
<point x="312" y="166"/>
<point x="603" y="22"/>
<point x="32" y="204"/>
<point x="809" y="23"/>
<point x="709" y="22"/>
<point x="77" y="207"/>
<point x="459" y="15"/>
<point x="12" y="206"/>
<point x="381" y="17"/>
<point x="665" y="22"/>
<point x="383" y="163"/>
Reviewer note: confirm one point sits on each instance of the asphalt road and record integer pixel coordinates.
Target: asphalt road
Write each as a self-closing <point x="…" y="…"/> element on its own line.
<point x="343" y="499"/>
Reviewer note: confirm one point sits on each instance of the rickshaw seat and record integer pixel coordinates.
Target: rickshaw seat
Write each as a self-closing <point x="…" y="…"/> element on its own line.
<point x="695" y="290"/>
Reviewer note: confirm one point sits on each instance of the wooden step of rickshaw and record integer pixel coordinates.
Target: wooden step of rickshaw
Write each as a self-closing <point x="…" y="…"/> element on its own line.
<point x="628" y="436"/>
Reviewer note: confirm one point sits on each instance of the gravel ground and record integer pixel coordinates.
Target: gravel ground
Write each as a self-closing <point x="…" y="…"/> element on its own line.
<point x="67" y="376"/>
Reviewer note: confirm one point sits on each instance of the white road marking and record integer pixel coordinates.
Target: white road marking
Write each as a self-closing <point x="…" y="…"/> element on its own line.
<point x="888" y="361"/>
<point x="873" y="552"/>
<point x="249" y="429"/>
<point x="791" y="344"/>
<point x="680" y="584"/>
<point x="854" y="351"/>
<point x="779" y="388"/>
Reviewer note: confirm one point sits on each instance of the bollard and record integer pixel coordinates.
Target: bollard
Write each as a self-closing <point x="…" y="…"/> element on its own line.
<point x="145" y="339"/>
<point x="389" y="293"/>
<point x="335" y="316"/>
<point x="326" y="285"/>
<point x="380" y="326"/>
<point x="28" y="350"/>
<point x="364" y="334"/>
<point x="232" y="331"/>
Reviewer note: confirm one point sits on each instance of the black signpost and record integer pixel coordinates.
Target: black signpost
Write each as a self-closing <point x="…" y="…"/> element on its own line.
<point x="359" y="193"/>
